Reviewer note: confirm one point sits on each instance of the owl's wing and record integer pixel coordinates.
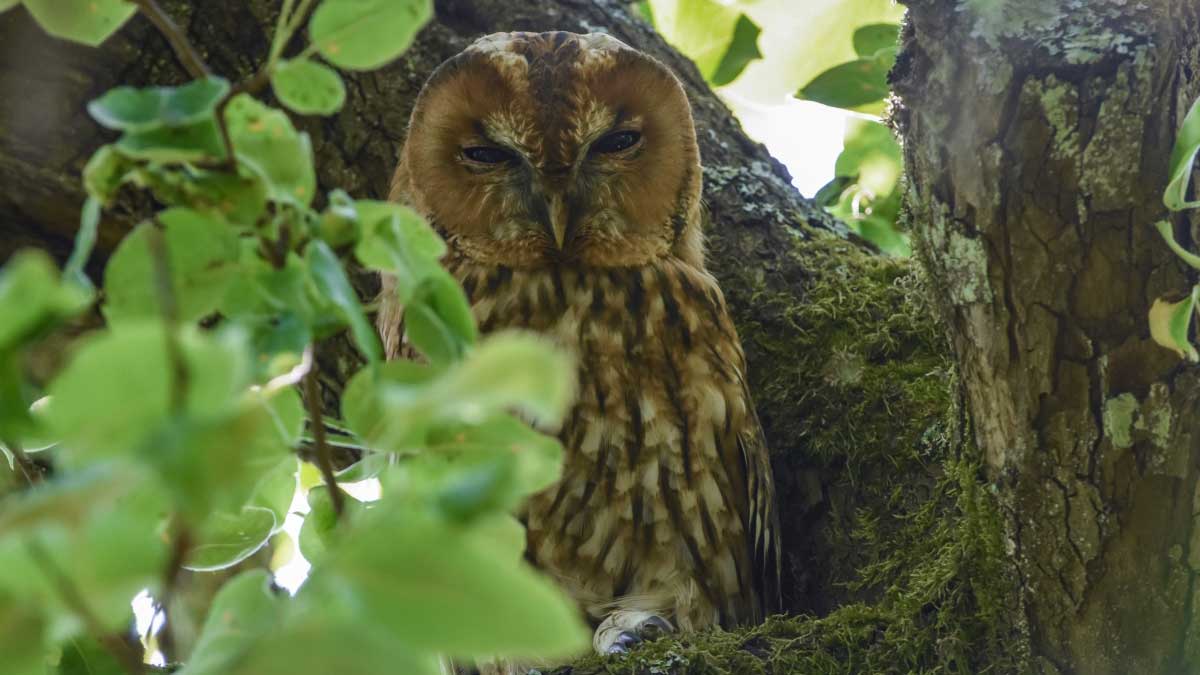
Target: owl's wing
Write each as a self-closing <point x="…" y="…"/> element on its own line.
<point x="762" y="519"/>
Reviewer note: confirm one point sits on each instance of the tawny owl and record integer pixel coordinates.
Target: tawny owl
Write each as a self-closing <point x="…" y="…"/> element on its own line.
<point x="563" y="172"/>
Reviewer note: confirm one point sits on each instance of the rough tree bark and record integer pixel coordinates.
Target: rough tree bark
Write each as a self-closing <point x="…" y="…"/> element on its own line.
<point x="1036" y="142"/>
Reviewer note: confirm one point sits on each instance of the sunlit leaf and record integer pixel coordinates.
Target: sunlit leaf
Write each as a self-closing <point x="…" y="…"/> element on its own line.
<point x="854" y="85"/>
<point x="33" y="298"/>
<point x="438" y="319"/>
<point x="1170" y="324"/>
<point x="86" y="21"/>
<point x="308" y="87"/>
<point x="538" y="456"/>
<point x="365" y="34"/>
<point x="8" y="4"/>
<point x="869" y="39"/>
<point x="1183" y="155"/>
<point x="226" y="539"/>
<point x="702" y="29"/>
<point x="743" y="48"/>
<point x="242" y="612"/>
<point x="265" y="140"/>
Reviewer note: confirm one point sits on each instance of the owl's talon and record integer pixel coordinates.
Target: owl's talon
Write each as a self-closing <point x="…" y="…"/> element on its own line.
<point x="653" y="628"/>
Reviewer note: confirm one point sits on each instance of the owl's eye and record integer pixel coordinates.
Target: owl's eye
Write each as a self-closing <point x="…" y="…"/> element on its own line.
<point x="485" y="154"/>
<point x="616" y="141"/>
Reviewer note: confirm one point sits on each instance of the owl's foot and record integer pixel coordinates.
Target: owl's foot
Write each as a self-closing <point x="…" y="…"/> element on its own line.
<point x="624" y="629"/>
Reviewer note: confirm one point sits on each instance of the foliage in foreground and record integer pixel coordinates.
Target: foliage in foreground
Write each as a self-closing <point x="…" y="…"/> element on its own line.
<point x="174" y="430"/>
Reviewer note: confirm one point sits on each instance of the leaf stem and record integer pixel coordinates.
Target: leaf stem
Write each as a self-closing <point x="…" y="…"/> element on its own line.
<point x="312" y="398"/>
<point x="26" y="467"/>
<point x="184" y="51"/>
<point x="119" y="649"/>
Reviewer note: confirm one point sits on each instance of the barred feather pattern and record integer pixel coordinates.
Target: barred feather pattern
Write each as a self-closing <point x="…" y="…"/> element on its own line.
<point x="666" y="501"/>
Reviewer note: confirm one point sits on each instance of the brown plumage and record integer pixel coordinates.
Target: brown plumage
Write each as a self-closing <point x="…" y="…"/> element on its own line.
<point x="563" y="171"/>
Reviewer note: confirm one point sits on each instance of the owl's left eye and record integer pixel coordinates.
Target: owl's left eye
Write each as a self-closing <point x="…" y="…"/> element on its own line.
<point x="488" y="155"/>
<point x="616" y="141"/>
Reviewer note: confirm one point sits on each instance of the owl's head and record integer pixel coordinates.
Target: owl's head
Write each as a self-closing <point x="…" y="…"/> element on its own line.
<point x="532" y="149"/>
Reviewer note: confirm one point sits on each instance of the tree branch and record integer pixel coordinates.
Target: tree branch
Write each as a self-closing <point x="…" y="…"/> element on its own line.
<point x="186" y="53"/>
<point x="312" y="399"/>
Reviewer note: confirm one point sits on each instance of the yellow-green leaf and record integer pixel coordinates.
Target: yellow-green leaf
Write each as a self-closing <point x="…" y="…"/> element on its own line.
<point x="1187" y="144"/>
<point x="1170" y="323"/>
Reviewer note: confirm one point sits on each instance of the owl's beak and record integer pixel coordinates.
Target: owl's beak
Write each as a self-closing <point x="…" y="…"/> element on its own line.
<point x="559" y="218"/>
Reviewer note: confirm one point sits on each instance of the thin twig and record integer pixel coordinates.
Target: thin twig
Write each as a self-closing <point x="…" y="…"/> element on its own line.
<point x="114" y="644"/>
<point x="181" y="544"/>
<point x="27" y="469"/>
<point x="312" y="398"/>
<point x="184" y="51"/>
<point x="168" y="305"/>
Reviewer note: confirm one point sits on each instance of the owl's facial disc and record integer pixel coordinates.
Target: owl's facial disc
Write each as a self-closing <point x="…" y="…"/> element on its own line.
<point x="554" y="148"/>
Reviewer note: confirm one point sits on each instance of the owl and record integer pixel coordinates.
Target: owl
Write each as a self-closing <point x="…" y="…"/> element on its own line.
<point x="563" y="172"/>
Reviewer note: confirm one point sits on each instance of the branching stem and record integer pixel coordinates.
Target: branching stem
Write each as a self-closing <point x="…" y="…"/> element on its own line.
<point x="312" y="398"/>
<point x="184" y="50"/>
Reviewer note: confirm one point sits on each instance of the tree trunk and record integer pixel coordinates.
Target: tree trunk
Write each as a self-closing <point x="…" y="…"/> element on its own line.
<point x="1037" y="136"/>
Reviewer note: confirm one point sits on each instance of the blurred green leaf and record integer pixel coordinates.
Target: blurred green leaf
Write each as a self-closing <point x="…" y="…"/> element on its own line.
<point x="436" y="589"/>
<point x="308" y="87"/>
<point x="21" y="637"/>
<point x="395" y="406"/>
<point x="86" y="656"/>
<point x="265" y="140"/>
<point x="321" y="526"/>
<point x="743" y="48"/>
<point x="199" y="142"/>
<point x="331" y="279"/>
<point x="870" y="39"/>
<point x="854" y="85"/>
<point x="226" y="539"/>
<point x="33" y="298"/>
<point x="140" y="110"/>
<point x="105" y="172"/>
<point x="115" y="550"/>
<point x="202" y="255"/>
<point x="538" y="456"/>
<point x="8" y="4"/>
<point x="131" y="361"/>
<point x="366" y="34"/>
<point x="397" y="241"/>
<point x="339" y="223"/>
<point x="438" y="319"/>
<point x="482" y="486"/>
<point x="1183" y="156"/>
<point x="1164" y="228"/>
<point x="276" y="488"/>
<point x="238" y="198"/>
<point x="242" y="613"/>
<point x="86" y="21"/>
<point x="85" y="241"/>
<point x="502" y="533"/>
<point x="68" y="500"/>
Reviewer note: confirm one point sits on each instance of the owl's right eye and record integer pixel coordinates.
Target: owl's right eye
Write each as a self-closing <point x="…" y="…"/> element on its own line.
<point x="485" y="154"/>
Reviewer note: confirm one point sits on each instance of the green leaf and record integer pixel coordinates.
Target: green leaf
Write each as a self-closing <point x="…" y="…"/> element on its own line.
<point x="86" y="21"/>
<point x="320" y="529"/>
<point x="869" y="39"/>
<point x="33" y="298"/>
<point x="308" y="87"/>
<point x="226" y="539"/>
<point x="1170" y="323"/>
<point x="131" y="359"/>
<point x="339" y="223"/>
<point x="438" y="319"/>
<point x="8" y="4"/>
<point x="394" y="407"/>
<point x="1168" y="234"/>
<point x="538" y="456"/>
<point x="276" y="488"/>
<point x="331" y="279"/>
<point x="21" y="636"/>
<point x="114" y="551"/>
<point x="86" y="656"/>
<point x="238" y="198"/>
<point x="483" y="486"/>
<point x="105" y="172"/>
<point x="702" y="29"/>
<point x="141" y="110"/>
<point x="365" y="34"/>
<point x="265" y="140"/>
<point x="743" y="48"/>
<point x="194" y="143"/>
<point x="1183" y="155"/>
<point x="853" y="85"/>
<point x="85" y="241"/>
<point x="68" y="500"/>
<point x="202" y="256"/>
<point x="437" y="589"/>
<point x="243" y="612"/>
<point x="396" y="240"/>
